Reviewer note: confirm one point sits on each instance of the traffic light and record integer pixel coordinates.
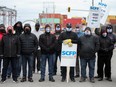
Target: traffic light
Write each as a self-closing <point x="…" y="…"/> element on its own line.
<point x="68" y="9"/>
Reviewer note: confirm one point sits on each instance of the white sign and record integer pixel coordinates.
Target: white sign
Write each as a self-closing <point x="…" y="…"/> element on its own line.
<point x="68" y="55"/>
<point x="104" y="12"/>
<point x="94" y="17"/>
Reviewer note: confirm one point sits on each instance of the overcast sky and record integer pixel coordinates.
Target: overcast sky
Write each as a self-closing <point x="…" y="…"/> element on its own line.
<point x="29" y="9"/>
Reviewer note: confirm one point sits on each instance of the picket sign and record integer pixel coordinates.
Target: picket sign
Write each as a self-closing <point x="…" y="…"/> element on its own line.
<point x="104" y="12"/>
<point x="68" y="57"/>
<point x="94" y="17"/>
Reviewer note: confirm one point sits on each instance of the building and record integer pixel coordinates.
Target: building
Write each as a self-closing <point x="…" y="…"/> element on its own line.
<point x="51" y="19"/>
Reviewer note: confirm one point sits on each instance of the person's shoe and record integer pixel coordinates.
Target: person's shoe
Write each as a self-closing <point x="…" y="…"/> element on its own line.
<point x="92" y="80"/>
<point x="2" y="81"/>
<point x="30" y="79"/>
<point x="41" y="79"/>
<point x="76" y="76"/>
<point x="63" y="80"/>
<point x="100" y="79"/>
<point x="23" y="79"/>
<point x="15" y="81"/>
<point x="72" y="79"/>
<point x="51" y="79"/>
<point x="82" y="79"/>
<point x="39" y="72"/>
<point x="96" y="77"/>
<point x="109" y="79"/>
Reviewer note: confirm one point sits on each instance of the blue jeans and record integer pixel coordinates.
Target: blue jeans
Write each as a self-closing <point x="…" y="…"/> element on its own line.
<point x="44" y="58"/>
<point x="27" y="59"/>
<point x="9" y="70"/>
<point x="91" y="65"/>
<point x="19" y="63"/>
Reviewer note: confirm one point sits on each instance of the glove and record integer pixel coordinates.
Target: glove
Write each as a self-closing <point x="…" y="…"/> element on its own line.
<point x="67" y="41"/>
<point x="70" y="44"/>
<point x="18" y="56"/>
<point x="1" y="56"/>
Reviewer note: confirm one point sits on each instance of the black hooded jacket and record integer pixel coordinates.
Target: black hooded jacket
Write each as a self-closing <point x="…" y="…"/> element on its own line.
<point x="88" y="45"/>
<point x="106" y="45"/>
<point x="28" y="41"/>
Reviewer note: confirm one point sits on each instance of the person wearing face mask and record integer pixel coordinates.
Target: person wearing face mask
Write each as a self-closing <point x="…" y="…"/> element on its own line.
<point x="57" y="49"/>
<point x="104" y="58"/>
<point x="67" y="37"/>
<point x="88" y="45"/>
<point x="11" y="52"/>
<point x="112" y="36"/>
<point x="37" y="54"/>
<point x="47" y="45"/>
<point x="18" y="28"/>
<point x="79" y="34"/>
<point x="2" y="32"/>
<point x="29" y="45"/>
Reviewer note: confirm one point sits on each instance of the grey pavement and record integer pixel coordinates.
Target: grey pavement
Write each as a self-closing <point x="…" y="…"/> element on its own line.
<point x="58" y="82"/>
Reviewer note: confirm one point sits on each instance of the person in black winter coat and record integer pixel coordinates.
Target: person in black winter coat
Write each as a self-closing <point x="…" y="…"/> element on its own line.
<point x="74" y="39"/>
<point x="2" y="32"/>
<point x="18" y="28"/>
<point x="11" y="52"/>
<point x="104" y="55"/>
<point x="57" y="48"/>
<point x="29" y="45"/>
<point x="88" y="45"/>
<point x="47" y="45"/>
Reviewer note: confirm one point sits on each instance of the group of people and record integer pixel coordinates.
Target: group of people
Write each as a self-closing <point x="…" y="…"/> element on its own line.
<point x="20" y="46"/>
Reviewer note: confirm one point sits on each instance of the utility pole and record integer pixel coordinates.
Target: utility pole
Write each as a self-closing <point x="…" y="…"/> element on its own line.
<point x="92" y="2"/>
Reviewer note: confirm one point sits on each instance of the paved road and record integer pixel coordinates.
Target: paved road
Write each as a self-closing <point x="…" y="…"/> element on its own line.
<point x="58" y="82"/>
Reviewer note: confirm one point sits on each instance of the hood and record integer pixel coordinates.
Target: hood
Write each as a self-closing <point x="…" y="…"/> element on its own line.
<point x="103" y="29"/>
<point x="10" y="27"/>
<point x="88" y="28"/>
<point x="3" y="31"/>
<point x="27" y="25"/>
<point x="109" y="27"/>
<point x="15" y="26"/>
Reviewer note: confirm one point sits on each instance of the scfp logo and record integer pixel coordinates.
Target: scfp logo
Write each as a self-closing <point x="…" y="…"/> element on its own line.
<point x="68" y="53"/>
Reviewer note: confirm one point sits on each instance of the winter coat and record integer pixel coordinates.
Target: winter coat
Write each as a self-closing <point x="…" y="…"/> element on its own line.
<point x="10" y="45"/>
<point x="47" y="43"/>
<point x="88" y="46"/>
<point x="29" y="43"/>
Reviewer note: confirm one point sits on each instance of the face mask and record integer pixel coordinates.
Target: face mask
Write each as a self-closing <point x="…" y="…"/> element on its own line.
<point x="57" y="29"/>
<point x="104" y="34"/>
<point x="36" y="29"/>
<point x="48" y="30"/>
<point x="109" y="30"/>
<point x="69" y="29"/>
<point x="10" y="31"/>
<point x="2" y="30"/>
<point x="27" y="31"/>
<point x="77" y="30"/>
<point x="87" y="33"/>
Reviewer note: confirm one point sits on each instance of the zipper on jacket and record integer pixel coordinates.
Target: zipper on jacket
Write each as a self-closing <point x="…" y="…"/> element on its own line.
<point x="10" y="40"/>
